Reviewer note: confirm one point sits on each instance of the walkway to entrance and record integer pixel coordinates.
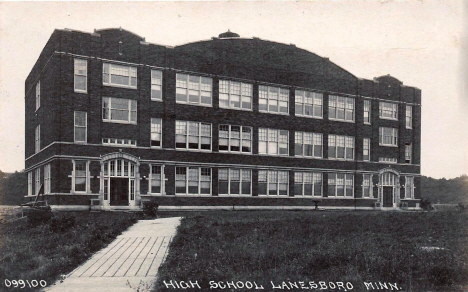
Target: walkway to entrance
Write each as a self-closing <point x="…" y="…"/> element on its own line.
<point x="130" y="261"/>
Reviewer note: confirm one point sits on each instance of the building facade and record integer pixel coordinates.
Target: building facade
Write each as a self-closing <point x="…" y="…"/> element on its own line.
<point x="230" y="122"/>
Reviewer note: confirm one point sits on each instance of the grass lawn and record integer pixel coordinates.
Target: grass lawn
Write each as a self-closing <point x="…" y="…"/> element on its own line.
<point x="41" y="253"/>
<point x="417" y="251"/>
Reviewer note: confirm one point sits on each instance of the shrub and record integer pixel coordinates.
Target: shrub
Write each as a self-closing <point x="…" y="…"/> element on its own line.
<point x="426" y="204"/>
<point x="62" y="224"/>
<point x="150" y="209"/>
<point x="37" y="216"/>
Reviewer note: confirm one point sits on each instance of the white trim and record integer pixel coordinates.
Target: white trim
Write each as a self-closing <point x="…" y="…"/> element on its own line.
<point x="85" y="126"/>
<point x="187" y="136"/>
<point x="241" y="139"/>
<point x="268" y="182"/>
<point x="109" y="76"/>
<point x="160" y="85"/>
<point x="180" y="163"/>
<point x="129" y="110"/>
<point x="241" y="95"/>
<point x="199" y="90"/>
<point x="187" y="180"/>
<point x="240" y="181"/>
<point x="75" y="74"/>
<point x="278" y="99"/>
<point x="87" y="178"/>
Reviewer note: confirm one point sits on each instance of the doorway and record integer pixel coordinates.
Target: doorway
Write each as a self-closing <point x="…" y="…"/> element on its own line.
<point x="119" y="191"/>
<point x="387" y="196"/>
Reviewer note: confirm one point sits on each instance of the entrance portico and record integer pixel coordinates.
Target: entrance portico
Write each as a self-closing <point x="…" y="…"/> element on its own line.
<point x="120" y="180"/>
<point x="389" y="188"/>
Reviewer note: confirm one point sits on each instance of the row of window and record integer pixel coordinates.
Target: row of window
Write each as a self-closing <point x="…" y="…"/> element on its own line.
<point x="231" y="181"/>
<point x="197" y="90"/>
<point x="238" y="139"/>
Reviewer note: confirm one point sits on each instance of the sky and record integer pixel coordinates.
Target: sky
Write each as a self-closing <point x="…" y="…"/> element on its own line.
<point x="422" y="43"/>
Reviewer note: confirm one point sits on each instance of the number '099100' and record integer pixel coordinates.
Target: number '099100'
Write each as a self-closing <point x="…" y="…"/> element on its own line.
<point x="25" y="283"/>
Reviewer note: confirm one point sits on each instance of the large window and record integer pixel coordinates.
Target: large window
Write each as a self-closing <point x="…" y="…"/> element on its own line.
<point x="340" y="185"/>
<point x="38" y="95"/>
<point x="409" y="117"/>
<point x="309" y="104"/>
<point x="308" y="144"/>
<point x="80" y="175"/>
<point x="235" y="95"/>
<point x="409" y="187"/>
<point x="233" y="181"/>
<point x="341" y="108"/>
<point x="156" y="85"/>
<point x="156" y="130"/>
<point x="30" y="184"/>
<point x="273" y="183"/>
<point x="388" y="136"/>
<point x="366" y="149"/>
<point x="340" y="147"/>
<point x="308" y="184"/>
<point x="119" y="110"/>
<point x="119" y="75"/>
<point x="193" y="89"/>
<point x="80" y="127"/>
<point x="37" y="139"/>
<point x="273" y="99"/>
<point x="193" y="135"/>
<point x="81" y="75"/>
<point x="193" y="180"/>
<point x="47" y="178"/>
<point x="408" y="153"/>
<point x="273" y="141"/>
<point x="388" y="110"/>
<point x="367" y="186"/>
<point x="156" y="179"/>
<point x="235" y="138"/>
<point x="37" y="178"/>
<point x="367" y="111"/>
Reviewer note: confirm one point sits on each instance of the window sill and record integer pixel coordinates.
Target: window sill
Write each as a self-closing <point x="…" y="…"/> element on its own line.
<point x="409" y="128"/>
<point x="196" y="104"/>
<point x="120" y="86"/>
<point x="235" y="152"/>
<point x="310" y="117"/>
<point x="273" y="196"/>
<point x="337" y="197"/>
<point x="274" y="113"/>
<point x="274" y="155"/>
<point x="155" y="99"/>
<point x="390" y="119"/>
<point x="388" y="145"/>
<point x="119" y="145"/>
<point x="237" y="109"/>
<point x="338" y="120"/>
<point x="120" y="122"/>
<point x="81" y="91"/>
<point x="193" y="150"/>
<point x="193" y="195"/>
<point x="367" y="123"/>
<point x="234" y="196"/>
<point x="308" y="157"/>
<point x="340" y="159"/>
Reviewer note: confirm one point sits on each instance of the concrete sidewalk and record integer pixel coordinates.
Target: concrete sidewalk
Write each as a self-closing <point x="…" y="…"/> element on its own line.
<point x="131" y="261"/>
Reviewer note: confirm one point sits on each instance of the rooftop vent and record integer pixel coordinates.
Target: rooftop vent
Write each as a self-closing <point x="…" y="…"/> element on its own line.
<point x="228" y="34"/>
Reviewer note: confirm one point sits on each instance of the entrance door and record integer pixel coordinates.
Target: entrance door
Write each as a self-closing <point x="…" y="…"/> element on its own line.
<point x="388" y="196"/>
<point x="119" y="191"/>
